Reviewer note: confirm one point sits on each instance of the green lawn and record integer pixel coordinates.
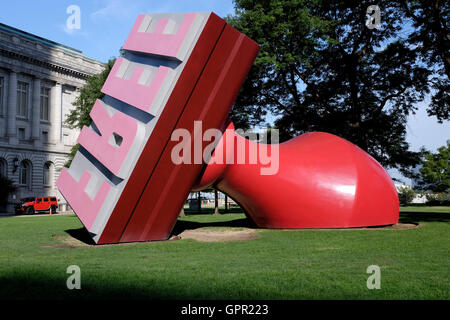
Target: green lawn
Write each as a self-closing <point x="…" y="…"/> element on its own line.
<point x="301" y="264"/>
<point x="425" y="209"/>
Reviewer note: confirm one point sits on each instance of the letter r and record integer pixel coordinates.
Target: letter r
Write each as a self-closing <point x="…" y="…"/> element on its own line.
<point x="111" y="154"/>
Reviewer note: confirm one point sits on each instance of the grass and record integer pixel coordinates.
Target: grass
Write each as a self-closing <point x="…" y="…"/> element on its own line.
<point x="300" y="264"/>
<point x="425" y="209"/>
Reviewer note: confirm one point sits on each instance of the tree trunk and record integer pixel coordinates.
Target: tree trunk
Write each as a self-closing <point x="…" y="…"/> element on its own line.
<point x="226" y="203"/>
<point x="216" y="202"/>
<point x="199" y="199"/>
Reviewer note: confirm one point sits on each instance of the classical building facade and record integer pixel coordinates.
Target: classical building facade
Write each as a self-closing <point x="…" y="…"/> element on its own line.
<point x="39" y="81"/>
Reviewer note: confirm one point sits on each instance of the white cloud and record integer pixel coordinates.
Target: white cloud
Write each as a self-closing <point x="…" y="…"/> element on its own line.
<point x="116" y="10"/>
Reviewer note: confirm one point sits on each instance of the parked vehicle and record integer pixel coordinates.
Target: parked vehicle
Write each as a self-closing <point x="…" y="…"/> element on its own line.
<point x="37" y="205"/>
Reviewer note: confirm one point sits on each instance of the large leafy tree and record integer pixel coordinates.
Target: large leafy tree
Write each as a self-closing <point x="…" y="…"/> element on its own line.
<point x="288" y="32"/>
<point x="431" y="38"/>
<point x="321" y="68"/>
<point x="434" y="175"/>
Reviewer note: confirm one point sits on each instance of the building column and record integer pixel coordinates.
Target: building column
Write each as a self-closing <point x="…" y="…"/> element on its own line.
<point x="36" y="112"/>
<point x="12" y="108"/>
<point x="55" y="113"/>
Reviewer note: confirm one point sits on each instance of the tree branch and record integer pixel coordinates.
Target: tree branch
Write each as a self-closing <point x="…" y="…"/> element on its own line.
<point x="387" y="98"/>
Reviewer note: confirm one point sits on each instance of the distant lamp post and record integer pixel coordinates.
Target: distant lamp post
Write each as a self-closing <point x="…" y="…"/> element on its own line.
<point x="15" y="164"/>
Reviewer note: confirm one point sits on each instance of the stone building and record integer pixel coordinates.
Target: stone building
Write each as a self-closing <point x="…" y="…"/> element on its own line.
<point x="39" y="81"/>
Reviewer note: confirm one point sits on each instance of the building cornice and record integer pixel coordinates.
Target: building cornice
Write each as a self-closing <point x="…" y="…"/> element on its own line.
<point x="45" y="64"/>
<point x="21" y="50"/>
<point x="27" y="148"/>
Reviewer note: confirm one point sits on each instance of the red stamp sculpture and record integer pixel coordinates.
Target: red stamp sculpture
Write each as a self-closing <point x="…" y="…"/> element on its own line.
<point x="180" y="70"/>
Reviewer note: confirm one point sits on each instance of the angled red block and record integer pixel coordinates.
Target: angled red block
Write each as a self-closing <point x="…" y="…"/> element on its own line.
<point x="210" y="103"/>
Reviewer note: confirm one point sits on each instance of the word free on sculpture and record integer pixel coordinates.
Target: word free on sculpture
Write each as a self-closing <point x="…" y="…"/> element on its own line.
<point x="179" y="69"/>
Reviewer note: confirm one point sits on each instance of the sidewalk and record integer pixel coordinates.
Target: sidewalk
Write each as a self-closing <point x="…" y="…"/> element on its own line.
<point x="6" y="214"/>
<point x="12" y="215"/>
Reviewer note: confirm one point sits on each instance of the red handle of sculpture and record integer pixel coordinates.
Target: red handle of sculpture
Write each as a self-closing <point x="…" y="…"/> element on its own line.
<point x="316" y="180"/>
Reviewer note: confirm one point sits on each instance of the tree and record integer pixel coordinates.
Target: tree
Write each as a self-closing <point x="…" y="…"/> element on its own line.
<point x="435" y="172"/>
<point x="287" y="32"/>
<point x="199" y="201"/>
<point x="431" y="37"/>
<point x="216" y="201"/>
<point x="405" y="195"/>
<point x="79" y="116"/>
<point x="6" y="188"/>
<point x="226" y="203"/>
<point x="216" y="198"/>
<point x="320" y="68"/>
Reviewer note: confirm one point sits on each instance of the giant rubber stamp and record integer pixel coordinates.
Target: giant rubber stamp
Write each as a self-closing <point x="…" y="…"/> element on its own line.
<point x="178" y="70"/>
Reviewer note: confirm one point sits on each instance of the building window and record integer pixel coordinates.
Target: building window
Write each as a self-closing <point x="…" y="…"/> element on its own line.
<point x="45" y="103"/>
<point x="25" y="173"/>
<point x="45" y="136"/>
<point x="22" y="98"/>
<point x="48" y="174"/>
<point x="66" y="139"/>
<point x="1" y="95"/>
<point x="21" y="134"/>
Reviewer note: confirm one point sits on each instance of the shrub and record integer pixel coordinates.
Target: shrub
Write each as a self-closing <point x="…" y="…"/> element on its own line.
<point x="405" y="195"/>
<point x="438" y="199"/>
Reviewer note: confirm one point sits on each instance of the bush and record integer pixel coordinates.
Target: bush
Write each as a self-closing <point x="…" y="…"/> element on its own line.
<point x="405" y="195"/>
<point x="438" y="199"/>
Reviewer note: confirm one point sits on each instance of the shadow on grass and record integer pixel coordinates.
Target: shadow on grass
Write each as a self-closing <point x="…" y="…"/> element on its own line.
<point x="83" y="235"/>
<point x="417" y="217"/>
<point x="22" y="286"/>
<point x="182" y="225"/>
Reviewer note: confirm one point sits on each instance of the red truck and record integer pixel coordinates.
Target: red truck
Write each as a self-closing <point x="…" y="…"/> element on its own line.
<point x="38" y="204"/>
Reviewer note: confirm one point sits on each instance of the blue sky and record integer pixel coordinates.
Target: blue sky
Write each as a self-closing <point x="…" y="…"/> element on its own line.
<point x="105" y="24"/>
